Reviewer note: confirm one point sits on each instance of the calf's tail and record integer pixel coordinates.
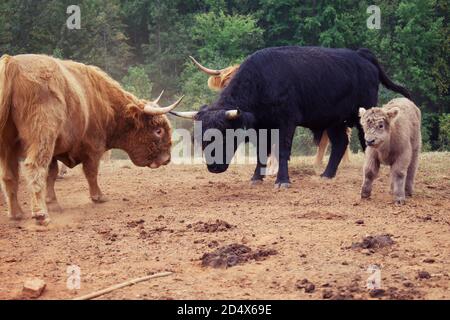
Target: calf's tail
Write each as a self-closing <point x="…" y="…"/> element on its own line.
<point x="7" y="74"/>
<point x="384" y="79"/>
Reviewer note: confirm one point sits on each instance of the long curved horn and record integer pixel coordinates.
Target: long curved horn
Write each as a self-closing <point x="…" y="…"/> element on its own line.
<point x="232" y="114"/>
<point x="185" y="114"/>
<point x="154" y="110"/>
<point x="210" y="72"/>
<point x="159" y="98"/>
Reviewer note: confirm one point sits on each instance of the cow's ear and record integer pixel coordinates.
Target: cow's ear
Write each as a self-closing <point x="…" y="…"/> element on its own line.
<point x="392" y="113"/>
<point x="361" y="112"/>
<point x="135" y="114"/>
<point x="215" y="83"/>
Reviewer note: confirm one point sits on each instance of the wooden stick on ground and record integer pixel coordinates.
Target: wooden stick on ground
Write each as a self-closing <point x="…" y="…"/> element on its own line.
<point x="122" y="285"/>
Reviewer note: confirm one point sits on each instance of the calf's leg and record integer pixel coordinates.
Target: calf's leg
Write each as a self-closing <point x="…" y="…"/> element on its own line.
<point x="90" y="168"/>
<point x="339" y="143"/>
<point x="371" y="169"/>
<point x="411" y="174"/>
<point x="9" y="174"/>
<point x="398" y="176"/>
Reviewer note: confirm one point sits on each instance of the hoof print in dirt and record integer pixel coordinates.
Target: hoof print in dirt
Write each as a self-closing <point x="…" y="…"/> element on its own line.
<point x="374" y="242"/>
<point x="210" y="227"/>
<point x="234" y="254"/>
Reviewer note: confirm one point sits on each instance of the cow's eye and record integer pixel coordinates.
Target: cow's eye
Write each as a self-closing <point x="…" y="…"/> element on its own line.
<point x="159" y="132"/>
<point x="380" y="126"/>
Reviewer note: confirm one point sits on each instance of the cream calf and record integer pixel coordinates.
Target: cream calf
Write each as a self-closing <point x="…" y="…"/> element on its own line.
<point x="393" y="138"/>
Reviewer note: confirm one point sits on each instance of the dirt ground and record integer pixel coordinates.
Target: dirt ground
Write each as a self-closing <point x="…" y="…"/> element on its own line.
<point x="289" y="244"/>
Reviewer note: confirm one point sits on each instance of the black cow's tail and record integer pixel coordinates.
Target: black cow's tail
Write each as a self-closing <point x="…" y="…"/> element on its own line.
<point x="388" y="83"/>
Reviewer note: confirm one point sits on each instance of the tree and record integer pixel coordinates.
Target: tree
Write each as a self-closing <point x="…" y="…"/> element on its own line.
<point x="137" y="82"/>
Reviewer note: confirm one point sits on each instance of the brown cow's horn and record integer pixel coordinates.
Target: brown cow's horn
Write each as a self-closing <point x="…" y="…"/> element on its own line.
<point x="185" y="114"/>
<point x="210" y="72"/>
<point x="154" y="110"/>
<point x="232" y="114"/>
<point x="159" y="98"/>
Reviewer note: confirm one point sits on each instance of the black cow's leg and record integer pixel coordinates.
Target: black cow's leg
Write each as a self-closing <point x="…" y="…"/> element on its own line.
<point x="339" y="143"/>
<point x="285" y="145"/>
<point x="260" y="171"/>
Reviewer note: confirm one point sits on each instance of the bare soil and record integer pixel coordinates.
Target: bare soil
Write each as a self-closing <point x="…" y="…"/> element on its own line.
<point x="315" y="240"/>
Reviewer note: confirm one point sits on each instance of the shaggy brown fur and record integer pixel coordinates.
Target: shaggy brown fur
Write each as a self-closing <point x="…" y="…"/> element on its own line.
<point x="219" y="82"/>
<point x="393" y="137"/>
<point x="62" y="110"/>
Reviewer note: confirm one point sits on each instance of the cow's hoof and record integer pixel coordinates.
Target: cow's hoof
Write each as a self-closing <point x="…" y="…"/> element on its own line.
<point x="43" y="222"/>
<point x="255" y="182"/>
<point x="326" y="176"/>
<point x="99" y="199"/>
<point x="365" y="195"/>
<point x="400" y="202"/>
<point x="283" y="185"/>
<point x="42" y="218"/>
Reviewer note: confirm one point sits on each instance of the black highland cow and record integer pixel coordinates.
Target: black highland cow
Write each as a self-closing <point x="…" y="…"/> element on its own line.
<point x="285" y="87"/>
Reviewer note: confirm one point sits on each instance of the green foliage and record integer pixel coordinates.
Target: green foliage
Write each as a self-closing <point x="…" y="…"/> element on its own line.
<point x="444" y="131"/>
<point x="146" y="43"/>
<point x="232" y="36"/>
<point x="303" y="143"/>
<point x="137" y="82"/>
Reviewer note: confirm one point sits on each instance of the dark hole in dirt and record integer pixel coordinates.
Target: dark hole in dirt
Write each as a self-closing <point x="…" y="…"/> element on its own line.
<point x="135" y="223"/>
<point x="209" y="227"/>
<point x="145" y="234"/>
<point x="234" y="254"/>
<point x="374" y="242"/>
<point x="305" y="284"/>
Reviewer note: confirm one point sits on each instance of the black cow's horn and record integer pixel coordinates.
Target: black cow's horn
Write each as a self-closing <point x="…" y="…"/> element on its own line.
<point x="210" y="72"/>
<point x="232" y="114"/>
<point x="185" y="114"/>
<point x="154" y="109"/>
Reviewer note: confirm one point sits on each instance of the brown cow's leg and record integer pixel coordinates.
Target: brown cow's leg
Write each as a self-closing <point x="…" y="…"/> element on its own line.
<point x="51" y="195"/>
<point x="36" y="165"/>
<point x="107" y="156"/>
<point x="62" y="171"/>
<point x="321" y="149"/>
<point x="9" y="173"/>
<point x="346" y="157"/>
<point x="36" y="171"/>
<point x="90" y="168"/>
